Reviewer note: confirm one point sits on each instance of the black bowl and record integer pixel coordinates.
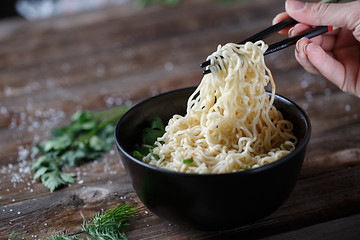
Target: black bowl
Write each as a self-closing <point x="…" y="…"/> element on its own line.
<point x="208" y="201"/>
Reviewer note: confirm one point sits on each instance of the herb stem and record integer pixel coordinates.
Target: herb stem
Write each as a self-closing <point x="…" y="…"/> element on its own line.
<point x="103" y="124"/>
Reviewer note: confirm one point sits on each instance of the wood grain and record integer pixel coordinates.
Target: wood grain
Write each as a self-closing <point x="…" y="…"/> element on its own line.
<point x="121" y="55"/>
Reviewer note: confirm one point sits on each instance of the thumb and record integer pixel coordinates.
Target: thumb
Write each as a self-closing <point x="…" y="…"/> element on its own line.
<point x="343" y="15"/>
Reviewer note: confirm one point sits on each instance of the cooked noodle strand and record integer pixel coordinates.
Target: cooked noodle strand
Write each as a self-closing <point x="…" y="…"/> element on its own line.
<point x="231" y="123"/>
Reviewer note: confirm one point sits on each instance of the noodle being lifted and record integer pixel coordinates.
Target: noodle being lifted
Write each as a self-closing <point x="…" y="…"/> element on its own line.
<point x="231" y="123"/>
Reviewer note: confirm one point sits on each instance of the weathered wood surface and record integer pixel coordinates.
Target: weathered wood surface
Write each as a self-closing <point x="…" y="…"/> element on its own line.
<point x="121" y="55"/>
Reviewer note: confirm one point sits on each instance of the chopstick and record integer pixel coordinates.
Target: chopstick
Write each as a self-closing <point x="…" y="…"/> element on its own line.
<point x="262" y="34"/>
<point x="284" y="43"/>
<point x="316" y="31"/>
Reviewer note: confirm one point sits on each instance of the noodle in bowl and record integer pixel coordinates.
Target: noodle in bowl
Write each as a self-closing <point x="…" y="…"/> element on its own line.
<point x="230" y="122"/>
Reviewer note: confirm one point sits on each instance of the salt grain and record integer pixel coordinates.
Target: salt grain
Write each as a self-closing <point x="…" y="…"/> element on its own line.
<point x="169" y="66"/>
<point x="308" y="96"/>
<point x="118" y="101"/>
<point x="327" y="92"/>
<point x="347" y="107"/>
<point x="128" y="103"/>
<point x="304" y="84"/>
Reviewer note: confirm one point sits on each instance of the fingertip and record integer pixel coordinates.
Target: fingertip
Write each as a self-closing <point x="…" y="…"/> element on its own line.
<point x="301" y="47"/>
<point x="293" y="5"/>
<point x="278" y="18"/>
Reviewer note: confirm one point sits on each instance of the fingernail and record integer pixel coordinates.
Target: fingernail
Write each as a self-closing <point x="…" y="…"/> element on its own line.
<point x="290" y="31"/>
<point x="295" y="5"/>
<point x="297" y="47"/>
<point x="305" y="48"/>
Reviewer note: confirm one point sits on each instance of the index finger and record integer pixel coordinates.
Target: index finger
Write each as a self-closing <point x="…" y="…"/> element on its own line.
<point x="278" y="18"/>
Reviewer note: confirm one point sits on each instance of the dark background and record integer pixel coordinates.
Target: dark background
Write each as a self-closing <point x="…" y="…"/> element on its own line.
<point x="7" y="9"/>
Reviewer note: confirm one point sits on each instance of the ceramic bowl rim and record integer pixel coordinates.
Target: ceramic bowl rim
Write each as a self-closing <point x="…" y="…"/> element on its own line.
<point x="299" y="147"/>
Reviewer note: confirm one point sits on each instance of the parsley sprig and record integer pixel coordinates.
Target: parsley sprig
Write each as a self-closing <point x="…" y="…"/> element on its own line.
<point x="88" y="136"/>
<point x="148" y="137"/>
<point x="103" y="225"/>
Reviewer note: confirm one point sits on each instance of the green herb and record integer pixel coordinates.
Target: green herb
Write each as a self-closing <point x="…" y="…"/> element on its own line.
<point x="88" y="136"/>
<point x="105" y="225"/>
<point x="144" y="3"/>
<point x="188" y="161"/>
<point x="148" y="137"/>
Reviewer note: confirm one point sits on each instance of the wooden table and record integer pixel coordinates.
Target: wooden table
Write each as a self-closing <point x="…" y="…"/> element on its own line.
<point x="121" y="55"/>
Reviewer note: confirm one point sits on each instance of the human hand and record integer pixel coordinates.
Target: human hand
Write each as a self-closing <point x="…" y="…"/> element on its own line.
<point x="336" y="54"/>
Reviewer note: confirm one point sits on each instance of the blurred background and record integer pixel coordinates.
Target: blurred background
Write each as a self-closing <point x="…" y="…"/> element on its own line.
<point x="39" y="9"/>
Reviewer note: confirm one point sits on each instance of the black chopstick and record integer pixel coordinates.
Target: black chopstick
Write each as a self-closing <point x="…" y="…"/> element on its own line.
<point x="261" y="35"/>
<point x="291" y="41"/>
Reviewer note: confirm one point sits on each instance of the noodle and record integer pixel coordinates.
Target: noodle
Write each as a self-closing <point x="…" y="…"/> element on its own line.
<point x="231" y="123"/>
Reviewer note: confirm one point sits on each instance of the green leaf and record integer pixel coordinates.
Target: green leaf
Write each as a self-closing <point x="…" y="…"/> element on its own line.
<point x="158" y="124"/>
<point x="89" y="125"/>
<point x="55" y="178"/>
<point x="138" y="155"/>
<point x="39" y="172"/>
<point x="150" y="135"/>
<point x="52" y="179"/>
<point x="36" y="149"/>
<point x="81" y="116"/>
<point x="67" y="177"/>
<point x="73" y="157"/>
<point x="97" y="144"/>
<point x="59" y="143"/>
<point x="188" y="161"/>
<point x="39" y="162"/>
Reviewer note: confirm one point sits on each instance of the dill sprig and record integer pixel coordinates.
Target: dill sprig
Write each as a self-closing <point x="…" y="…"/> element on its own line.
<point x="109" y="224"/>
<point x="104" y="225"/>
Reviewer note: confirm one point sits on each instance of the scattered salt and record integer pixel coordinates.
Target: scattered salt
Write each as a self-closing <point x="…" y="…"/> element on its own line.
<point x="128" y="103"/>
<point x="304" y="84"/>
<point x="308" y="96"/>
<point x="327" y="92"/>
<point x="347" y="107"/>
<point x="305" y="106"/>
<point x="169" y="66"/>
